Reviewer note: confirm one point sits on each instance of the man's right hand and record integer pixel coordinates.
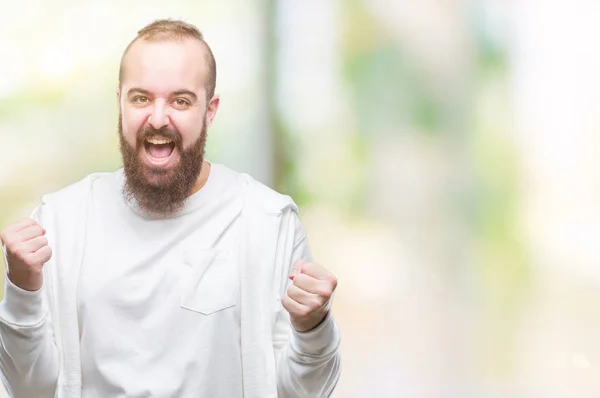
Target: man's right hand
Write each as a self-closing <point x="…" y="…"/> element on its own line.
<point x="27" y="251"/>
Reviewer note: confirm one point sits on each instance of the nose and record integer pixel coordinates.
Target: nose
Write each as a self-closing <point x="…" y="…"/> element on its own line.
<point x="159" y="117"/>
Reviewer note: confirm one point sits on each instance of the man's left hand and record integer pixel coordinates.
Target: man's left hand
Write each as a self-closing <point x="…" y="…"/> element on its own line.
<point x="308" y="298"/>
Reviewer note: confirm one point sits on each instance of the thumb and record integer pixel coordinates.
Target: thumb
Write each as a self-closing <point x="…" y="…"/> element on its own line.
<point x="296" y="269"/>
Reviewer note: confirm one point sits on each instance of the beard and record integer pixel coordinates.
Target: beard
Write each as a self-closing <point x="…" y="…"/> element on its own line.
<point x="157" y="190"/>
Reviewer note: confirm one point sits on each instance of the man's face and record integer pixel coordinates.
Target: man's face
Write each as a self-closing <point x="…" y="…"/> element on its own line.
<point x="163" y="120"/>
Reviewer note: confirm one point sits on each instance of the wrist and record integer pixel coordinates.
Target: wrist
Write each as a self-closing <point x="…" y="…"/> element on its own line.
<point x="22" y="308"/>
<point x="309" y="323"/>
<point x="27" y="281"/>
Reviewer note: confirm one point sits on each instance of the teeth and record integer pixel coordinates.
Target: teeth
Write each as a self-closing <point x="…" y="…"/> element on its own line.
<point x="158" y="141"/>
<point x="158" y="160"/>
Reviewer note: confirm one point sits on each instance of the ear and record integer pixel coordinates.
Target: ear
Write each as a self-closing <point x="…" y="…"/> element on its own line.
<point x="211" y="109"/>
<point x="119" y="99"/>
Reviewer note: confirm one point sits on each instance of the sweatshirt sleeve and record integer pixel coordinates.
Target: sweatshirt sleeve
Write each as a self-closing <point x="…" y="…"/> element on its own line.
<point x="308" y="363"/>
<point x="28" y="355"/>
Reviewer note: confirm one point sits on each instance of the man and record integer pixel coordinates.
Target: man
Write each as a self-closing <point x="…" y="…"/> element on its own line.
<point x="172" y="277"/>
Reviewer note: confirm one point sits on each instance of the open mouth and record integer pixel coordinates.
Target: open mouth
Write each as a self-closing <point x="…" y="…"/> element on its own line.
<point x="159" y="150"/>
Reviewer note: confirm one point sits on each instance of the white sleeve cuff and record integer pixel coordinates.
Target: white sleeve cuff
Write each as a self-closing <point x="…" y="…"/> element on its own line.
<point x="21" y="307"/>
<point x="320" y="341"/>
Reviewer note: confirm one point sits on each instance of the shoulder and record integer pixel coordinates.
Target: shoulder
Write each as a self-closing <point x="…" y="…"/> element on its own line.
<point x="76" y="192"/>
<point x="260" y="195"/>
<point x="269" y="199"/>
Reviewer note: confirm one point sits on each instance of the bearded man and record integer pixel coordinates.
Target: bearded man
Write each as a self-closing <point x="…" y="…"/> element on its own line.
<point x="173" y="276"/>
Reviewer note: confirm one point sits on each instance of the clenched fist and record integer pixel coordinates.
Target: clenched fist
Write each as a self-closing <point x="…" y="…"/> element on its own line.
<point x="26" y="249"/>
<point x="307" y="298"/>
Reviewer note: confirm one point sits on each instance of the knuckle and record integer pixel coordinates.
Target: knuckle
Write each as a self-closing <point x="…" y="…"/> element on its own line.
<point x="20" y="253"/>
<point x="286" y="303"/>
<point x="303" y="313"/>
<point x="8" y="238"/>
<point x="315" y="304"/>
<point x="46" y="254"/>
<point x="333" y="282"/>
<point x="326" y="294"/>
<point x="294" y="288"/>
<point x="10" y="245"/>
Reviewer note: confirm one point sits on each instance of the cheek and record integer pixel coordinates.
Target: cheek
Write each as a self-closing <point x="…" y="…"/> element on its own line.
<point x="131" y="126"/>
<point x="189" y="129"/>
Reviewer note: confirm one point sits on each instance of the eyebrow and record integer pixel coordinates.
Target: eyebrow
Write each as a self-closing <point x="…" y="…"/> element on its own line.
<point x="185" y="92"/>
<point x="176" y="92"/>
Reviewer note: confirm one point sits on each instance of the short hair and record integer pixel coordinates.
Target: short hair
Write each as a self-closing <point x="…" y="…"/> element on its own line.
<point x="173" y="29"/>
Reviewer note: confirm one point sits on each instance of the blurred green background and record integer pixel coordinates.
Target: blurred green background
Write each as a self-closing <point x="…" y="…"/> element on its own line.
<point x="444" y="153"/>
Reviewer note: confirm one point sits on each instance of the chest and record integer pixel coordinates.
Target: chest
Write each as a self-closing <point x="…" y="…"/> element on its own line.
<point x="147" y="272"/>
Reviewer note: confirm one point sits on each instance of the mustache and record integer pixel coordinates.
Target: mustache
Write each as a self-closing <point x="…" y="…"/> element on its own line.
<point x="164" y="132"/>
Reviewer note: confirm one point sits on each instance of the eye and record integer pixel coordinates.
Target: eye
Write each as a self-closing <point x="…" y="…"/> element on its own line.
<point x="181" y="103"/>
<point x="140" y="99"/>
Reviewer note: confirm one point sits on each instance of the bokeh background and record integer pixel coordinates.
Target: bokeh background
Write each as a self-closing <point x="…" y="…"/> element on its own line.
<point x="445" y="155"/>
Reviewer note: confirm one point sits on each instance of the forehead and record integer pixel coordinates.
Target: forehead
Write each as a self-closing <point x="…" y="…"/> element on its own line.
<point x="165" y="66"/>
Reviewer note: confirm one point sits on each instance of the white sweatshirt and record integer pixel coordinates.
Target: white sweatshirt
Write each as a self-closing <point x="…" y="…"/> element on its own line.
<point x="165" y="307"/>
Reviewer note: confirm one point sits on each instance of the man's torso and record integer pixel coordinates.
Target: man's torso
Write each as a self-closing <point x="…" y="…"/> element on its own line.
<point x="158" y="298"/>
